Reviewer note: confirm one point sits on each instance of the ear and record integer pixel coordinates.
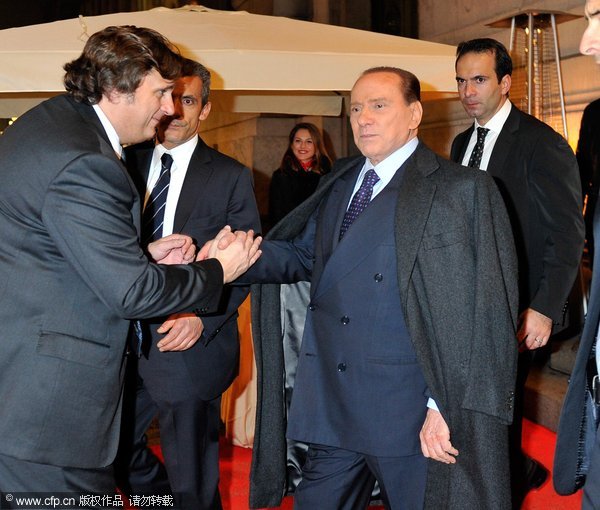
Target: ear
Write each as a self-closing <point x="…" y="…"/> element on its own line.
<point x="113" y="96"/>
<point x="205" y="111"/>
<point x="505" y="84"/>
<point x="416" y="109"/>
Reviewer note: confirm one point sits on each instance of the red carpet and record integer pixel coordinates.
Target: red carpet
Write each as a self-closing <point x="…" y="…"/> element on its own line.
<point x="538" y="442"/>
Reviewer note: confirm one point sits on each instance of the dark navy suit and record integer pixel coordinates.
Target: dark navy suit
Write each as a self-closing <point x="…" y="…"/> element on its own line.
<point x="399" y="309"/>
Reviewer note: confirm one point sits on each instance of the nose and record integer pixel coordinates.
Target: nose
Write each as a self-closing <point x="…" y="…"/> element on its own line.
<point x="586" y="45"/>
<point x="166" y="104"/>
<point x="363" y="117"/>
<point x="469" y="89"/>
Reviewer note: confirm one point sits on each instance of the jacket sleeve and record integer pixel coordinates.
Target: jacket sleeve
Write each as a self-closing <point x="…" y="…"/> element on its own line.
<point x="242" y="214"/>
<point x="88" y="214"/>
<point x="556" y="194"/>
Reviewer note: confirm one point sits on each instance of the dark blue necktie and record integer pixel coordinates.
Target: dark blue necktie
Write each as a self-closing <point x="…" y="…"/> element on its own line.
<point x="475" y="159"/>
<point x="152" y="225"/>
<point x="154" y="212"/>
<point x="360" y="200"/>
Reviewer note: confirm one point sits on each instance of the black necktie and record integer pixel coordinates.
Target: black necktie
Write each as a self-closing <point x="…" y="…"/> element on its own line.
<point x="154" y="212"/>
<point x="475" y="159"/>
<point x="360" y="200"/>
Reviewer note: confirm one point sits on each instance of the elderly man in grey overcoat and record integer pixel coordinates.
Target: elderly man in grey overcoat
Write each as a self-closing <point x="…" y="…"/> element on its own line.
<point x="406" y="365"/>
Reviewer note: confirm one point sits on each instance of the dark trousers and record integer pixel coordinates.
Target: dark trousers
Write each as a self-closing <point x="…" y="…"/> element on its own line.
<point x="337" y="479"/>
<point x="189" y="436"/>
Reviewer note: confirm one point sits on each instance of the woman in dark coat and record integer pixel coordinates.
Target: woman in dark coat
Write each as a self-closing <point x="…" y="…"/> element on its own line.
<point x="303" y="163"/>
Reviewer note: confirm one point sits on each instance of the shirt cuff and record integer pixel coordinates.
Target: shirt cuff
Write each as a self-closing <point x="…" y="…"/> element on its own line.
<point x="432" y="405"/>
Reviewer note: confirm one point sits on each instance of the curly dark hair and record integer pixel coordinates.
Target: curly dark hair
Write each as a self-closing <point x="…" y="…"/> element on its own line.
<point x="117" y="59"/>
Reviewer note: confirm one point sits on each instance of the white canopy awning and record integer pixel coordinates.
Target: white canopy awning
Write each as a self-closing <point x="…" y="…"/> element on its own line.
<point x="259" y="63"/>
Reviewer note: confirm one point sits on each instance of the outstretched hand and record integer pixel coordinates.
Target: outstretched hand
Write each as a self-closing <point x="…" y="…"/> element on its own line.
<point x="236" y="251"/>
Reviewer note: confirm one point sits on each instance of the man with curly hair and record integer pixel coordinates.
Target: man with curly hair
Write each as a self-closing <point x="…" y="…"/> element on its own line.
<point x="72" y="272"/>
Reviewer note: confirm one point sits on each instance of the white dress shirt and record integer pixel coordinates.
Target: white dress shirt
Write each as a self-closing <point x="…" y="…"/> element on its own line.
<point x="113" y="137"/>
<point x="386" y="169"/>
<point x="181" y="159"/>
<point x="495" y="125"/>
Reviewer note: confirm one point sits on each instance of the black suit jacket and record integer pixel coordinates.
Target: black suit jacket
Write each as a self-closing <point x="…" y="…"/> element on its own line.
<point x="72" y="274"/>
<point x="536" y="172"/>
<point x="217" y="191"/>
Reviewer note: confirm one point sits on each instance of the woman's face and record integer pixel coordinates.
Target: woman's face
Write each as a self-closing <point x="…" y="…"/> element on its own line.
<point x="303" y="146"/>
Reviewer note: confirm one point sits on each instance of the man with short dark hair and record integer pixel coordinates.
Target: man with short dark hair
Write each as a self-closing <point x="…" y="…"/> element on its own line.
<point x="72" y="272"/>
<point x="537" y="174"/>
<point x="405" y="351"/>
<point x="188" y="360"/>
<point x="577" y="457"/>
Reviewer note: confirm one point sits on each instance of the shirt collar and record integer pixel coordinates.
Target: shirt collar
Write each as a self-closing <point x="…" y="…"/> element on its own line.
<point x="113" y="137"/>
<point x="181" y="154"/>
<point x="496" y="123"/>
<point x="395" y="160"/>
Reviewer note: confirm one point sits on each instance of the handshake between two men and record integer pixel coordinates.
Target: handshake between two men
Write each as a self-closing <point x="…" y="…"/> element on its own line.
<point x="236" y="251"/>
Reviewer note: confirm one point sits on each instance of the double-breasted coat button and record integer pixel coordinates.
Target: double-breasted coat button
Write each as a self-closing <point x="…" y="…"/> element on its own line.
<point x="341" y="367"/>
<point x="312" y="307"/>
<point x="378" y="277"/>
<point x="345" y="320"/>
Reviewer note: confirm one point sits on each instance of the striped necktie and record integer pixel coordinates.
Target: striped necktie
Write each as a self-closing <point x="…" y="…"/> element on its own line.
<point x="154" y="212"/>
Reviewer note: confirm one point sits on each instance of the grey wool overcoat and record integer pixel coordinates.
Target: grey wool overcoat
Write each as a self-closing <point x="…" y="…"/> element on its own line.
<point x="457" y="276"/>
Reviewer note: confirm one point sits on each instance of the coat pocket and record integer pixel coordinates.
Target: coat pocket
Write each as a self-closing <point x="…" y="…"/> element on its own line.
<point x="71" y="348"/>
<point x="448" y="238"/>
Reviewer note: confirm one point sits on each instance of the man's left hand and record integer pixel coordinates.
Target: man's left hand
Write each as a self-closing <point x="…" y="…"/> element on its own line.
<point x="172" y="249"/>
<point x="435" y="438"/>
<point x="534" y="329"/>
<point x="183" y="331"/>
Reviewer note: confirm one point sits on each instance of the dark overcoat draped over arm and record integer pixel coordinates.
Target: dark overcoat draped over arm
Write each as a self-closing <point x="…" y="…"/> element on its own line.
<point x="457" y="274"/>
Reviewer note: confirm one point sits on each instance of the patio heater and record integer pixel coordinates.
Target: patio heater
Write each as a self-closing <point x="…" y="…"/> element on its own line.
<point x="537" y="86"/>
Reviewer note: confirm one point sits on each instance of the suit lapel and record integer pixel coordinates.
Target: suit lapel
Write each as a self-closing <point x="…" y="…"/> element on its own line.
<point x="459" y="149"/>
<point x="412" y="210"/>
<point x="89" y="115"/>
<point x="332" y="214"/>
<point x="369" y="230"/>
<point x="194" y="185"/>
<point x="503" y="145"/>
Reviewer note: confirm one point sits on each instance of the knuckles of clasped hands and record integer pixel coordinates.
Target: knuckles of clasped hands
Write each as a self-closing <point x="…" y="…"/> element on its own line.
<point x="236" y="251"/>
